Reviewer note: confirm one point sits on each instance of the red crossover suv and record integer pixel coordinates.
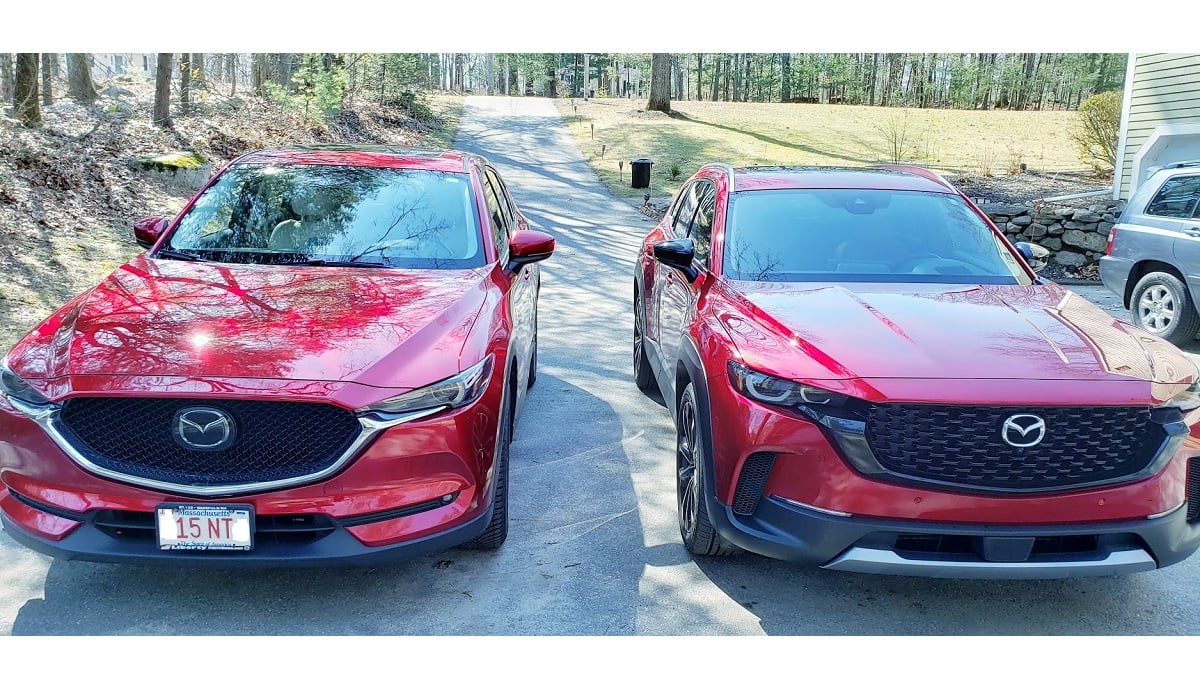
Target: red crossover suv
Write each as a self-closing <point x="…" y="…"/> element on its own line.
<point x="866" y="375"/>
<point x="319" y="361"/>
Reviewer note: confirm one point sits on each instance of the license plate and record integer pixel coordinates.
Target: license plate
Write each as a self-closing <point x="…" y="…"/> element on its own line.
<point x="205" y="527"/>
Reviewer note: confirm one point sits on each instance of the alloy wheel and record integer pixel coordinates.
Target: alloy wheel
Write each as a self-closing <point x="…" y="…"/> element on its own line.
<point x="687" y="475"/>
<point x="1157" y="307"/>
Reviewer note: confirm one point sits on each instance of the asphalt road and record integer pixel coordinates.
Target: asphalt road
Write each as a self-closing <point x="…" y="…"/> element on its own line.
<point x="594" y="547"/>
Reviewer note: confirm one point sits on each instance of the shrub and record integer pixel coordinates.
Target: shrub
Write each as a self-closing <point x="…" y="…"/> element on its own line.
<point x="1097" y="125"/>
<point x="674" y="171"/>
<point x="900" y="139"/>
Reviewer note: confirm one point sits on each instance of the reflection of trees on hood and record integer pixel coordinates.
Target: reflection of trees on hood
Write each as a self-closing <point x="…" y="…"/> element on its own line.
<point x="143" y="320"/>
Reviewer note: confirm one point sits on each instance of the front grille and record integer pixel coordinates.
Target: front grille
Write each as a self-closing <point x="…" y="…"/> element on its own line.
<point x="753" y="480"/>
<point x="275" y="440"/>
<point x="962" y="445"/>
<point x="1193" y="489"/>
<point x="286" y="530"/>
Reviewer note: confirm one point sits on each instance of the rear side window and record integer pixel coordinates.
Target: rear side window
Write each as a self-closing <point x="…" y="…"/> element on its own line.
<point x="1176" y="198"/>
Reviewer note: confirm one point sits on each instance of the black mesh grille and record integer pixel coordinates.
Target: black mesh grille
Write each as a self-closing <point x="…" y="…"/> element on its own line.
<point x="752" y="482"/>
<point x="1193" y="489"/>
<point x="962" y="445"/>
<point x="274" y="440"/>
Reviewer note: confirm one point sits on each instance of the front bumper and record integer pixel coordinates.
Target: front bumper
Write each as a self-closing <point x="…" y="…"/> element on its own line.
<point x="779" y="487"/>
<point x="95" y="539"/>
<point x="413" y="488"/>
<point x="787" y="531"/>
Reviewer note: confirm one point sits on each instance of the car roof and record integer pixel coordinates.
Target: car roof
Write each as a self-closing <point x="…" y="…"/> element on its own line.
<point x="374" y="156"/>
<point x="828" y="177"/>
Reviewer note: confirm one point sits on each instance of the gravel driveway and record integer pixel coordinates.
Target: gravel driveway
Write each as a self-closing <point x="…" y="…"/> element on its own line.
<point x="594" y="547"/>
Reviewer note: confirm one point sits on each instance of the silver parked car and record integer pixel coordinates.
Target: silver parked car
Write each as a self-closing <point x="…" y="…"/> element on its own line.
<point x="1153" y="256"/>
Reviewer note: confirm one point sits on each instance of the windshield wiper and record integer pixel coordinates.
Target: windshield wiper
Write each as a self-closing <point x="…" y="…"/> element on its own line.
<point x="177" y="255"/>
<point x="321" y="262"/>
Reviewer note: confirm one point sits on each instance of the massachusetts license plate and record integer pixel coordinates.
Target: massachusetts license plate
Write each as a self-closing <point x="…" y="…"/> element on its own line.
<point x="205" y="527"/>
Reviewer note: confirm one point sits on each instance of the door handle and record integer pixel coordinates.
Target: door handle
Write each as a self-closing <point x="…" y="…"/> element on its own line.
<point x="1192" y="232"/>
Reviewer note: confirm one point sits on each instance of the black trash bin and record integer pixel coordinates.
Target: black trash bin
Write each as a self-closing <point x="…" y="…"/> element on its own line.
<point x="640" y="171"/>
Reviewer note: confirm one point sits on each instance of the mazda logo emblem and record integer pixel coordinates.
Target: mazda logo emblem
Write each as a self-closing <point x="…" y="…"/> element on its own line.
<point x="203" y="428"/>
<point x="1023" y="431"/>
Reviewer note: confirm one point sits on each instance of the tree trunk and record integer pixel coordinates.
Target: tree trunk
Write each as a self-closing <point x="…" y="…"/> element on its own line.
<point x="25" y="91"/>
<point x="677" y="72"/>
<point x="491" y="74"/>
<point x="231" y="64"/>
<point x="79" y="78"/>
<point x="258" y="73"/>
<point x="283" y="72"/>
<point x="699" y="76"/>
<point x="198" y="71"/>
<point x="47" y="82"/>
<point x="660" y="83"/>
<point x="185" y="84"/>
<point x="162" y="90"/>
<point x="6" y="78"/>
<point x="785" y="77"/>
<point x="717" y="79"/>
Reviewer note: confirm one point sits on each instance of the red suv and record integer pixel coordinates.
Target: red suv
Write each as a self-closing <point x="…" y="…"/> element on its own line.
<point x="866" y="375"/>
<point x="319" y="361"/>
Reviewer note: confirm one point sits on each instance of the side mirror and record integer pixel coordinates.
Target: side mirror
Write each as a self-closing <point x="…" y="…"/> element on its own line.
<point x="527" y="246"/>
<point x="677" y="253"/>
<point x="1037" y="256"/>
<point x="147" y="230"/>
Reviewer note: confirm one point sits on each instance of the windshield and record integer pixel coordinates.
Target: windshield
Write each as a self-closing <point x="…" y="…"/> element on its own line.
<point x="863" y="235"/>
<point x="338" y="215"/>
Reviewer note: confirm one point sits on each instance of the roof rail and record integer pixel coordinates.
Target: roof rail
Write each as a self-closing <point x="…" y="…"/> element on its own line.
<point x="728" y="172"/>
<point x="1181" y="165"/>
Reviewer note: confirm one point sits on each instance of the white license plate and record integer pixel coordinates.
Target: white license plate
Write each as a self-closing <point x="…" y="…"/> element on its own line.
<point x="205" y="527"/>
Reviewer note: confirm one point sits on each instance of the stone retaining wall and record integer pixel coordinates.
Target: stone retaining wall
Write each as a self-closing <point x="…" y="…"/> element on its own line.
<point x="1076" y="235"/>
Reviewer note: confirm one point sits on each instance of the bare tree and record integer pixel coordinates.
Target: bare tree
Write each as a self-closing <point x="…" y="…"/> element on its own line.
<point x="6" y="78"/>
<point x="79" y="78"/>
<point x="162" y="90"/>
<point x="198" y="71"/>
<point x="231" y="62"/>
<point x="47" y="79"/>
<point x="258" y="73"/>
<point x="25" y="91"/>
<point x="660" y="83"/>
<point x="49" y="66"/>
<point x="185" y="84"/>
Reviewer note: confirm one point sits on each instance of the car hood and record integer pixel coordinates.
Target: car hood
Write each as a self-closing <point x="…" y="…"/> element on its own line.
<point x="1037" y="332"/>
<point x="167" y="318"/>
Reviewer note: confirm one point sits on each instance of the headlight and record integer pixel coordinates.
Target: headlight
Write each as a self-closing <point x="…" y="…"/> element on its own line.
<point x="453" y="392"/>
<point x="778" y="391"/>
<point x="14" y="387"/>
<point x="1187" y="400"/>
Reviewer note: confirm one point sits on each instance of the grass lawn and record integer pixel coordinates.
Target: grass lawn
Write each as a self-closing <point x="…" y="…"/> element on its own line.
<point x="953" y="142"/>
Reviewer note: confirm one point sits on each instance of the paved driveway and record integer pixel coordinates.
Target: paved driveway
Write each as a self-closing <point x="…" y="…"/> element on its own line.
<point x="594" y="548"/>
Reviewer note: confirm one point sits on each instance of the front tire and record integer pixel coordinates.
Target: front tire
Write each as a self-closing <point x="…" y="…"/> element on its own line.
<point x="1161" y="305"/>
<point x="497" y="530"/>
<point x="699" y="536"/>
